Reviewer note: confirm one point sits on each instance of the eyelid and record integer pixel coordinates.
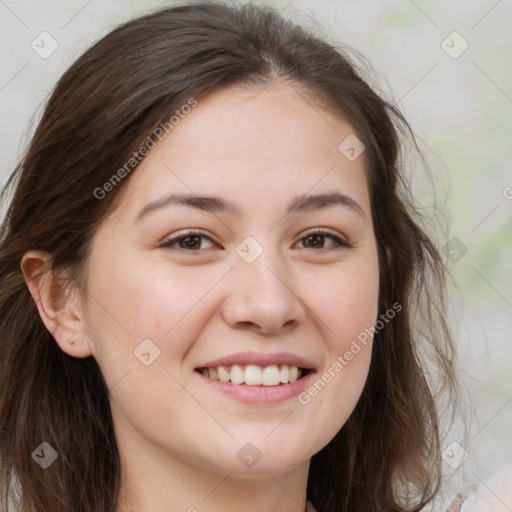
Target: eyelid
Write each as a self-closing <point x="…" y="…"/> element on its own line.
<point x="340" y="241"/>
<point x="324" y="231"/>
<point x="189" y="232"/>
<point x="176" y="237"/>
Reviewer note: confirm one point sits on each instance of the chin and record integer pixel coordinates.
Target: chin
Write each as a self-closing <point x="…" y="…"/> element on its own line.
<point x="251" y="460"/>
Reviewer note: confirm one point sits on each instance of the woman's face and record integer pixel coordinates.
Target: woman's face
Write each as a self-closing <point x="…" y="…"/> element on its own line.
<point x="253" y="289"/>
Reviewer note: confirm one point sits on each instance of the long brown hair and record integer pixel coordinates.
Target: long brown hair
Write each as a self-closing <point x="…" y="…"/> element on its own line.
<point x="105" y="106"/>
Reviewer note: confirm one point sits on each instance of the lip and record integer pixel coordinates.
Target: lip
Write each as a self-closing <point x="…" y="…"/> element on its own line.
<point x="263" y="395"/>
<point x="245" y="358"/>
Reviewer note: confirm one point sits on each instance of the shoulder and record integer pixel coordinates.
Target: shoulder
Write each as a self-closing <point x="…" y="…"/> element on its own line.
<point x="493" y="495"/>
<point x="463" y="498"/>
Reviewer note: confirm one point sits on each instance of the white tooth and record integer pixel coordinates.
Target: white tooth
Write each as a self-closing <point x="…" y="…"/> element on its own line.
<point x="204" y="372"/>
<point x="271" y="376"/>
<point x="223" y="374"/>
<point x="284" y="373"/>
<point x="294" y="373"/>
<point x="253" y="375"/>
<point x="237" y="374"/>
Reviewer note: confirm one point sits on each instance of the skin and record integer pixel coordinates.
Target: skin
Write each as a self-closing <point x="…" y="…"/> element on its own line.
<point x="259" y="146"/>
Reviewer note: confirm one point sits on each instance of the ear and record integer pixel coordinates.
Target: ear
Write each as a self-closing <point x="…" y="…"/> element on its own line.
<point x="60" y="310"/>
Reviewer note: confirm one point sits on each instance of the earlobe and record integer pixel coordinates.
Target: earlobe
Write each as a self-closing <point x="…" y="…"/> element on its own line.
<point x="57" y="307"/>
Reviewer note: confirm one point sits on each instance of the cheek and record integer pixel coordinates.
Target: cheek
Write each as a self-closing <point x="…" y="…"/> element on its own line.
<point x="135" y="300"/>
<point x="346" y="302"/>
<point x="347" y="306"/>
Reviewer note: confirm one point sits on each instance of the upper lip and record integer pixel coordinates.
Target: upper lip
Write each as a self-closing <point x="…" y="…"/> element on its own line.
<point x="245" y="358"/>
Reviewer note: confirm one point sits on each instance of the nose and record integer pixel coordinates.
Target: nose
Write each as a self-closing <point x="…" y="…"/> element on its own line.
<point x="261" y="296"/>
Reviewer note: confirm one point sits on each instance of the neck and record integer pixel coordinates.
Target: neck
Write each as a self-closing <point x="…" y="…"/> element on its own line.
<point x="160" y="482"/>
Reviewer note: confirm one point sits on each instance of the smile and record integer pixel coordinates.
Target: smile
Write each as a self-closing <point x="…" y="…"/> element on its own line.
<point x="254" y="375"/>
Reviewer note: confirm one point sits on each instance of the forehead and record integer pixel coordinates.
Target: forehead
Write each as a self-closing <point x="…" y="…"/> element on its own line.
<point x="271" y="139"/>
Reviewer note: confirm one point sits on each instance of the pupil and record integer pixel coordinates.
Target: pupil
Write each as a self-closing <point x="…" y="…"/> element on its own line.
<point x="314" y="237"/>
<point x="190" y="241"/>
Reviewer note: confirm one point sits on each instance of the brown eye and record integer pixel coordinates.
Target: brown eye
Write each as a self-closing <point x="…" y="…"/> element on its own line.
<point x="316" y="240"/>
<point x="189" y="242"/>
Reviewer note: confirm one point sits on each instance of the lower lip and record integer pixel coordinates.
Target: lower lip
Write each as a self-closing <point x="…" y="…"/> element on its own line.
<point x="260" y="394"/>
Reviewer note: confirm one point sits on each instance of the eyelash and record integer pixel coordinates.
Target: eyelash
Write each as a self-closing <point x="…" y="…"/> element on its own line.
<point x="339" y="244"/>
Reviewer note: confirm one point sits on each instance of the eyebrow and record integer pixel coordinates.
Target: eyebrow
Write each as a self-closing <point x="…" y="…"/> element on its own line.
<point x="216" y="204"/>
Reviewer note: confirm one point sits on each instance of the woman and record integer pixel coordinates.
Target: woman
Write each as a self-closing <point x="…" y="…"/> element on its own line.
<point x="283" y="365"/>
